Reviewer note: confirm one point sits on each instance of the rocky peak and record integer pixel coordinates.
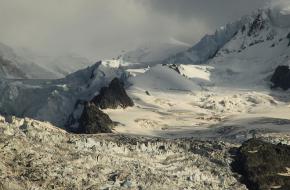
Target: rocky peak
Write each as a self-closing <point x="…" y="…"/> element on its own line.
<point x="93" y="120"/>
<point x="113" y="96"/>
<point x="89" y="119"/>
<point x="257" y="25"/>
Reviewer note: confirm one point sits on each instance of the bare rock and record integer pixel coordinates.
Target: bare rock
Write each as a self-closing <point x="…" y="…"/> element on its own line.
<point x="281" y="77"/>
<point x="263" y="165"/>
<point x="113" y="96"/>
<point x="93" y="120"/>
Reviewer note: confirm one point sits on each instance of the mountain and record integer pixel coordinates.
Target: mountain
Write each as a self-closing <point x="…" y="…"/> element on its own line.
<point x="197" y="105"/>
<point x="265" y="26"/>
<point x="247" y="59"/>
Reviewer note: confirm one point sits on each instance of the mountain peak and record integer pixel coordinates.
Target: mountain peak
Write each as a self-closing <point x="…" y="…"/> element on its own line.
<point x="262" y="25"/>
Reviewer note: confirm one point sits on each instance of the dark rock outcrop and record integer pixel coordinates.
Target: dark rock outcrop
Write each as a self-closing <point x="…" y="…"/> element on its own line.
<point x="263" y="165"/>
<point x="281" y="77"/>
<point x="113" y="96"/>
<point x="88" y="118"/>
<point x="93" y="120"/>
<point x="257" y="25"/>
<point x="173" y="67"/>
<point x="288" y="37"/>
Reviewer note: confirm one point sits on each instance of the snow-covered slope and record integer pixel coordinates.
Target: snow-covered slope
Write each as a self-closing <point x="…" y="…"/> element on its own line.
<point x="208" y="46"/>
<point x="250" y="58"/>
<point x="162" y="78"/>
<point x="262" y="29"/>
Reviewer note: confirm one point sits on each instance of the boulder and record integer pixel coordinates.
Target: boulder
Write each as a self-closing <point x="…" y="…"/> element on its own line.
<point x="113" y="96"/>
<point x="263" y="165"/>
<point x="281" y="77"/>
<point x="93" y="120"/>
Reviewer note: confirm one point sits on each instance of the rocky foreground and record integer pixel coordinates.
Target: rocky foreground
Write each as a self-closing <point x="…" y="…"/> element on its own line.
<point x="36" y="155"/>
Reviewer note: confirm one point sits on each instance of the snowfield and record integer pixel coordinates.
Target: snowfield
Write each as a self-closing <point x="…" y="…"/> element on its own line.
<point x="228" y="97"/>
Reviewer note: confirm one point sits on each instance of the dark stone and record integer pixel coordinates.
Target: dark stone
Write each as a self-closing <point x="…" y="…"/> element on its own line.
<point x="173" y="67"/>
<point x="93" y="120"/>
<point x="288" y="36"/>
<point x="257" y="25"/>
<point x="263" y="165"/>
<point x="147" y="93"/>
<point x="281" y="77"/>
<point x="113" y="96"/>
<point x="162" y="147"/>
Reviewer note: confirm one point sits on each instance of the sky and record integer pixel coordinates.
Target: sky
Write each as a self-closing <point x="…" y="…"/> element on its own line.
<point x="100" y="29"/>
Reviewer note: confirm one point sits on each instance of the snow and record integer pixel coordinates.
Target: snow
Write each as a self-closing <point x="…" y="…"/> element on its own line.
<point x="220" y="88"/>
<point x="230" y="97"/>
<point x="208" y="46"/>
<point x="54" y="100"/>
<point x="217" y="90"/>
<point x="163" y="78"/>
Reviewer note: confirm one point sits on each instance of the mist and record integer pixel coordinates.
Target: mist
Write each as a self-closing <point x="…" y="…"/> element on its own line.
<point x="99" y="29"/>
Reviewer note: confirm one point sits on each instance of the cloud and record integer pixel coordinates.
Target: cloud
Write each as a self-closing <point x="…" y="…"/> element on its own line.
<point x="102" y="28"/>
<point x="278" y="3"/>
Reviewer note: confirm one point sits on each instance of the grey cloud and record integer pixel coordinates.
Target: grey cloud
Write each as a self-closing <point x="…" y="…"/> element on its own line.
<point x="102" y="28"/>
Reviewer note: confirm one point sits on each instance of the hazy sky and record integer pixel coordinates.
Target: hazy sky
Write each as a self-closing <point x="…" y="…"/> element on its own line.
<point x="102" y="28"/>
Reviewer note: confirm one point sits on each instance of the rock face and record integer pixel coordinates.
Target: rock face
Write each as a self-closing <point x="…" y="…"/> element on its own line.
<point x="88" y="118"/>
<point x="113" y="96"/>
<point x="257" y="25"/>
<point x="281" y="77"/>
<point x="94" y="121"/>
<point x="264" y="165"/>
